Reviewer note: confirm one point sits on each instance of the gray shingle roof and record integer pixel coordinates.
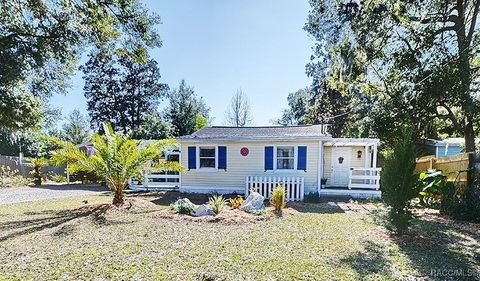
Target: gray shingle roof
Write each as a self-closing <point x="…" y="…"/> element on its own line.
<point x="270" y="132"/>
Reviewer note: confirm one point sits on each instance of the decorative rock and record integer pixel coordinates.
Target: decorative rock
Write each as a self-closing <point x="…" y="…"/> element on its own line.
<point x="186" y="201"/>
<point x="253" y="203"/>
<point x="203" y="210"/>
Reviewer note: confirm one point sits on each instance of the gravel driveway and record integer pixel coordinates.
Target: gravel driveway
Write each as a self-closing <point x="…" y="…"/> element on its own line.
<point x="17" y="195"/>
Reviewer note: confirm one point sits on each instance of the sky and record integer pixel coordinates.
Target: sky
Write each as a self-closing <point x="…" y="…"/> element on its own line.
<point x="219" y="46"/>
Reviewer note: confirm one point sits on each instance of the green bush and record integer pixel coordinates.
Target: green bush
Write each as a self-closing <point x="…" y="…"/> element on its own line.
<point x="398" y="182"/>
<point x="278" y="198"/>
<point x="182" y="206"/>
<point x="432" y="186"/>
<point x="217" y="202"/>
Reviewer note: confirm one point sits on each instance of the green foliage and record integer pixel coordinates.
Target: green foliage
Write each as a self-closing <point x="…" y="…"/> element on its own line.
<point x="217" y="202"/>
<point x="120" y="90"/>
<point x="236" y="202"/>
<point x="461" y="202"/>
<point x="37" y="164"/>
<point x="425" y="69"/>
<point x="299" y="104"/>
<point x="117" y="158"/>
<point x="155" y="127"/>
<point x="77" y="128"/>
<point x="43" y="40"/>
<point x="200" y="122"/>
<point x="432" y="186"/>
<point x="184" y="109"/>
<point x="277" y="200"/>
<point x="181" y="206"/>
<point x="13" y="143"/>
<point x="398" y="183"/>
<point x="58" y="178"/>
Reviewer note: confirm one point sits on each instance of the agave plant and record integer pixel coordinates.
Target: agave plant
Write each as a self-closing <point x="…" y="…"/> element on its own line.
<point x="116" y="160"/>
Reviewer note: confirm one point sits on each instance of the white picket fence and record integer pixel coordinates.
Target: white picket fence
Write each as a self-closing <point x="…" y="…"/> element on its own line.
<point x="294" y="186"/>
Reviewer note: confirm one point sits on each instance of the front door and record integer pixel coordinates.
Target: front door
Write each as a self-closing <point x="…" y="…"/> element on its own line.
<point x="340" y="165"/>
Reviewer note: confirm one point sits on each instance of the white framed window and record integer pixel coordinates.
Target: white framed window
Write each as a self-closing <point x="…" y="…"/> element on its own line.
<point x="285" y="159"/>
<point x="207" y="157"/>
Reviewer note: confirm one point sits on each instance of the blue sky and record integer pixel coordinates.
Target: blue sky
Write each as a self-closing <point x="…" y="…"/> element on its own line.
<point x="218" y="46"/>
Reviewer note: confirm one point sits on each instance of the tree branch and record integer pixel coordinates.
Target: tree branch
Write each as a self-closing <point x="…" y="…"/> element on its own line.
<point x="474" y="22"/>
<point x="450" y="115"/>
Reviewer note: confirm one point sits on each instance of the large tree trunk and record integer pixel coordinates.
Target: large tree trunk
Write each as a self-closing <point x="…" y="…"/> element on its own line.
<point x="464" y="45"/>
<point x="118" y="198"/>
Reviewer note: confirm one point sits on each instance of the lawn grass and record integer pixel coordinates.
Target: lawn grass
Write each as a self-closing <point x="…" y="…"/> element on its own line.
<point x="45" y="241"/>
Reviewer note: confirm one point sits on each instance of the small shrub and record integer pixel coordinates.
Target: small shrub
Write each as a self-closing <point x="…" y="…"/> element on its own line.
<point x="5" y="174"/>
<point x="312" y="197"/>
<point x="182" y="206"/>
<point x="217" y="202"/>
<point x="278" y="198"/>
<point x="236" y="202"/>
<point x="432" y="186"/>
<point x="11" y="178"/>
<point x="59" y="178"/>
<point x="19" y="181"/>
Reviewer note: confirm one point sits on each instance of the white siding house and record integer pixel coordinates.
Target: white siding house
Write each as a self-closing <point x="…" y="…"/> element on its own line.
<point x="237" y="159"/>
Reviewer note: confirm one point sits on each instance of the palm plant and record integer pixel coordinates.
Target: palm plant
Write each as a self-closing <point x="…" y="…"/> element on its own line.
<point x="37" y="164"/>
<point x="116" y="160"/>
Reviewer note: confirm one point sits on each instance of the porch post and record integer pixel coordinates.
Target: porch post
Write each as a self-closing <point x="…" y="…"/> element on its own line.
<point x="320" y="166"/>
<point x="367" y="157"/>
<point x="375" y="148"/>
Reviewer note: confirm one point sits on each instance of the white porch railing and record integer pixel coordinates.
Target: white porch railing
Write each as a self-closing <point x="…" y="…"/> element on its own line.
<point x="159" y="181"/>
<point x="294" y="186"/>
<point x="368" y="178"/>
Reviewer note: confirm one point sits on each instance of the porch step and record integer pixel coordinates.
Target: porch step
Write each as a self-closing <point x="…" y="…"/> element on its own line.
<point x="325" y="198"/>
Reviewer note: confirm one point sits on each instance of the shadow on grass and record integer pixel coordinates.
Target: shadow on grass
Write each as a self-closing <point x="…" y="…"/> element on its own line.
<point x="440" y="248"/>
<point x="63" y="187"/>
<point x="316" y="208"/>
<point x="372" y="261"/>
<point x="56" y="219"/>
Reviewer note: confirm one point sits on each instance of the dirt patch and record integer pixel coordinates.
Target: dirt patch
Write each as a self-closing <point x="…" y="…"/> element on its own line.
<point x="227" y="216"/>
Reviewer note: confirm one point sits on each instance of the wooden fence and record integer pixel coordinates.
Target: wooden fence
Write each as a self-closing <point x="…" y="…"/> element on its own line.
<point x="22" y="165"/>
<point x="454" y="167"/>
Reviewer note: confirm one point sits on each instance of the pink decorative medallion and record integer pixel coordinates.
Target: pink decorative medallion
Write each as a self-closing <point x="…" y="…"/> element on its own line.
<point x="244" y="151"/>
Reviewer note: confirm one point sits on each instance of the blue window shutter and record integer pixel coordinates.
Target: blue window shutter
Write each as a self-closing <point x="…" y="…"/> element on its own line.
<point x="222" y="157"/>
<point x="302" y="158"/>
<point x="268" y="158"/>
<point x="192" y="157"/>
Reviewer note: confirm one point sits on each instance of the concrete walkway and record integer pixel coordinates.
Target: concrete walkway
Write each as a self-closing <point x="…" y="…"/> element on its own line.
<point x="25" y="194"/>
